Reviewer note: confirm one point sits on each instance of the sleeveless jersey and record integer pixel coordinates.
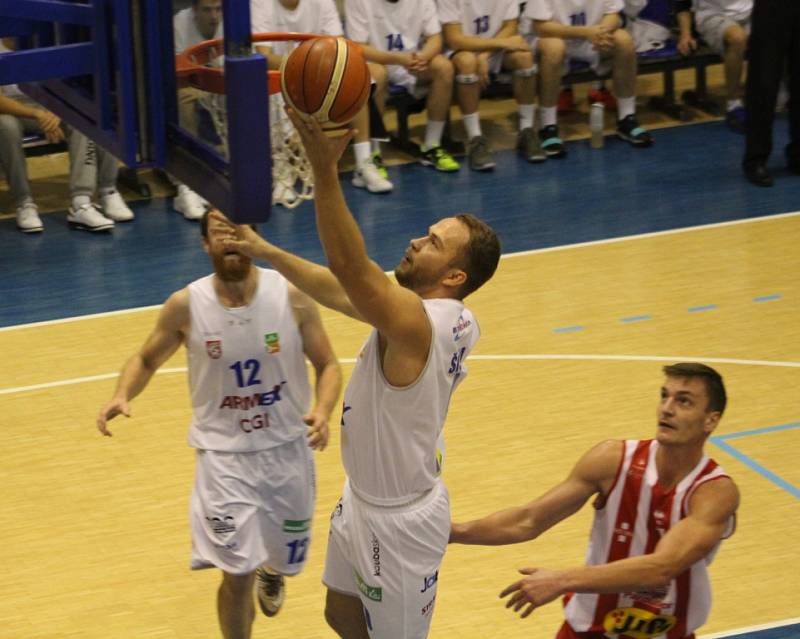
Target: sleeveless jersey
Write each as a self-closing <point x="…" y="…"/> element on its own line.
<point x="387" y="26"/>
<point x="391" y="437"/>
<point x="738" y="10"/>
<point x="575" y="13"/>
<point x="247" y="372"/>
<point x="635" y="515"/>
<point x="310" y="16"/>
<point x="482" y="18"/>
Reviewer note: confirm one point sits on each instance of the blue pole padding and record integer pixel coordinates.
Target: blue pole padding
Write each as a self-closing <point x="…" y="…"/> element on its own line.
<point x="47" y="11"/>
<point x="37" y="65"/>
<point x="236" y="28"/>
<point x="248" y="139"/>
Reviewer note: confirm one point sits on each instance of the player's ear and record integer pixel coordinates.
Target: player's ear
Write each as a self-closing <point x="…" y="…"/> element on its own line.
<point x="455" y="277"/>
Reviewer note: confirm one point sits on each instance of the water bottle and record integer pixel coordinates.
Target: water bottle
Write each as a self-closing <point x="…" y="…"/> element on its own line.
<point x="596" y="121"/>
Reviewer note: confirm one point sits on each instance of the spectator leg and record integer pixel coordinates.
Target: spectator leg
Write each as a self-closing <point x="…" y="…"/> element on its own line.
<point x="12" y="158"/>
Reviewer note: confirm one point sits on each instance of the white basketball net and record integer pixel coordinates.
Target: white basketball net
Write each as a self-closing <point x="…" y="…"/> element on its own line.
<point x="292" y="178"/>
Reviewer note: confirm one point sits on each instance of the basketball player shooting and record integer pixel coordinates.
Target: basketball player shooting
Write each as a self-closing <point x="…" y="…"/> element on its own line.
<point x="662" y="508"/>
<point x="389" y="530"/>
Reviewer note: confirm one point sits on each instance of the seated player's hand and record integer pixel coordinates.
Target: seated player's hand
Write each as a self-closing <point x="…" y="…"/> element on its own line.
<point x="516" y="43"/>
<point x="50" y="125"/>
<point x="687" y="44"/>
<point x="539" y="588"/>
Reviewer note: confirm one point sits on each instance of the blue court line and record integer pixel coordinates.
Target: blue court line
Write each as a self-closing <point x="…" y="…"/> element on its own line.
<point x="748" y="461"/>
<point x="758" y="431"/>
<point x="568" y="329"/>
<point x="636" y="318"/>
<point x="767" y="298"/>
<point x="706" y="307"/>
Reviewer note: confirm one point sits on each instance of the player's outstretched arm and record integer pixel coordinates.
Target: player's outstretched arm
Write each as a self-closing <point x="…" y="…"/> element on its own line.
<point x="313" y="279"/>
<point x="165" y="339"/>
<point x="711" y="510"/>
<point x="319" y="351"/>
<point x="593" y="474"/>
<point x="395" y="311"/>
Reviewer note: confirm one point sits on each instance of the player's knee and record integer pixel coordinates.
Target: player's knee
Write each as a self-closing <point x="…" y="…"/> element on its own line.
<point x="465" y="62"/>
<point x="623" y="43"/>
<point x="442" y="67"/>
<point x="736" y="38"/>
<point x="551" y="51"/>
<point x="10" y="128"/>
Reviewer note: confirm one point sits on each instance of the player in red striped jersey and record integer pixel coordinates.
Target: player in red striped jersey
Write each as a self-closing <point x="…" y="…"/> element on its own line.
<point x="662" y="508"/>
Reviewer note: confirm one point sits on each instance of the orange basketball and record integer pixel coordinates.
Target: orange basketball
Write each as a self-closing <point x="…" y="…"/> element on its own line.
<point x="326" y="78"/>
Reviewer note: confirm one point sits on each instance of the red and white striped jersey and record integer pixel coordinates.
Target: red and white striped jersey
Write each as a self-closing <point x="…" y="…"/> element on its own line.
<point x="629" y="523"/>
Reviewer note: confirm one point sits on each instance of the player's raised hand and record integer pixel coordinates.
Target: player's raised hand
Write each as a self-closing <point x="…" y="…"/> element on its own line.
<point x="240" y="237"/>
<point x="541" y="586"/>
<point x="116" y="406"/>
<point x="323" y="151"/>
<point x="318" y="430"/>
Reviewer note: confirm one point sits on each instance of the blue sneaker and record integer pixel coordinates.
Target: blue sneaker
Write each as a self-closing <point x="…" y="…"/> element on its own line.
<point x="552" y="145"/>
<point x="629" y="130"/>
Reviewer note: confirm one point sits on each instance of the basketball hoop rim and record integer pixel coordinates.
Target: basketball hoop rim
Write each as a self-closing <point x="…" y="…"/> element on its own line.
<point x="190" y="66"/>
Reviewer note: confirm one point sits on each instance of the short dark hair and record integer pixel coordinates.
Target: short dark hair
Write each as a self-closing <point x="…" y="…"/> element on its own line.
<point x="715" y="388"/>
<point x="480" y="255"/>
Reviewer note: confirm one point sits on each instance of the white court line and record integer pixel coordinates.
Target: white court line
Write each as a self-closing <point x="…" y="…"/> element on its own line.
<point x="550" y="249"/>
<point x="472" y="358"/>
<point x="739" y="631"/>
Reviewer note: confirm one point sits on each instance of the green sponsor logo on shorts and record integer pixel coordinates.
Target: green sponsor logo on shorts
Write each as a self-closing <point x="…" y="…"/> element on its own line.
<point x="370" y="592"/>
<point x="296" y="525"/>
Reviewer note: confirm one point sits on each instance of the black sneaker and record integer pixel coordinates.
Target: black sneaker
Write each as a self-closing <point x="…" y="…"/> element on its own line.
<point x="629" y="130"/>
<point x="552" y="145"/>
<point x="479" y="154"/>
<point x="271" y="592"/>
<point x="529" y="146"/>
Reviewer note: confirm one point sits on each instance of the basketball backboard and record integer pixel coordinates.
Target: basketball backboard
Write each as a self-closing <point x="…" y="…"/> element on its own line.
<point x="107" y="68"/>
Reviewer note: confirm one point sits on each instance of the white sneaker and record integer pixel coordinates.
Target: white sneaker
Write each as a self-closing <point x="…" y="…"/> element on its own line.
<point x="28" y="220"/>
<point x="89" y="218"/>
<point x="271" y="592"/>
<point x="114" y="207"/>
<point x="189" y="203"/>
<point x="368" y="176"/>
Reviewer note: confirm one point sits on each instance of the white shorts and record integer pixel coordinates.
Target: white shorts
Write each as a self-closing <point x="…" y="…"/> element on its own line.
<point x="584" y="51"/>
<point x="402" y="77"/>
<point x="249" y="509"/>
<point x="389" y="557"/>
<point x="712" y="29"/>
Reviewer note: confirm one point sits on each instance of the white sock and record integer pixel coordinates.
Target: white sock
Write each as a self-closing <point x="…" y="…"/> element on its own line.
<point x="80" y="200"/>
<point x="525" y="116"/>
<point x="375" y="145"/>
<point x="472" y="124"/>
<point x="362" y="152"/>
<point x="548" y="115"/>
<point x="626" y="107"/>
<point x="433" y="133"/>
<point x="733" y="104"/>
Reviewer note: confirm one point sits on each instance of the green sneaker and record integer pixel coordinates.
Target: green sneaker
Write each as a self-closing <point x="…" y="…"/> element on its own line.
<point x="439" y="159"/>
<point x="377" y="160"/>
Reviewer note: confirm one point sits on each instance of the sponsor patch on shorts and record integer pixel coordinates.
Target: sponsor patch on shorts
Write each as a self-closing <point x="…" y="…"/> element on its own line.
<point x="370" y="592"/>
<point x="296" y="525"/>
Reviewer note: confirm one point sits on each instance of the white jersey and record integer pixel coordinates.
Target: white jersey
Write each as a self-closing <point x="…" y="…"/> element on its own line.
<point x="738" y="10"/>
<point x="482" y="18"/>
<point x="629" y="523"/>
<point x="388" y="26"/>
<point x="575" y="13"/>
<point x="247" y="372"/>
<point x="185" y="30"/>
<point x="391" y="437"/>
<point x="310" y="16"/>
